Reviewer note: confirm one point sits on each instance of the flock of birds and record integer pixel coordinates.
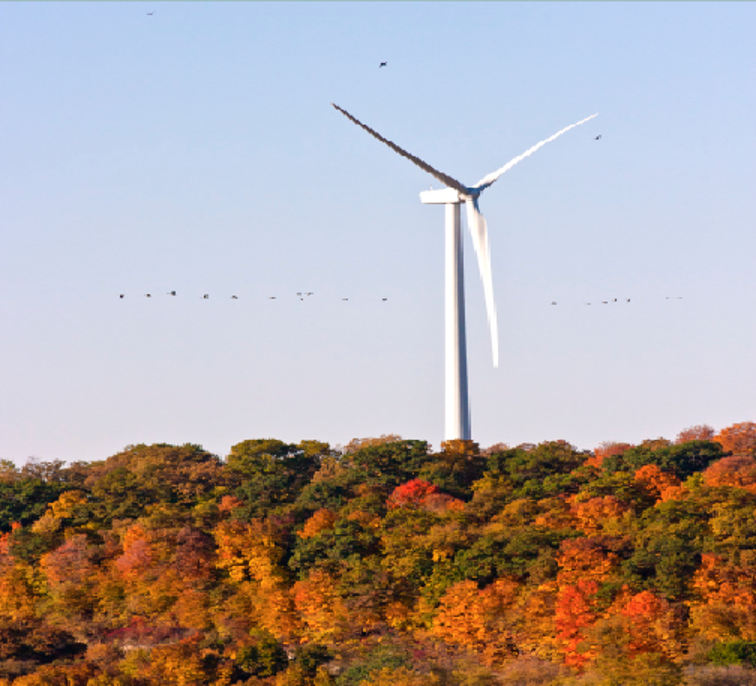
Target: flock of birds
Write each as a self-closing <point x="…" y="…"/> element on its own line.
<point x="622" y="300"/>
<point x="306" y="294"/>
<point x="206" y="296"/>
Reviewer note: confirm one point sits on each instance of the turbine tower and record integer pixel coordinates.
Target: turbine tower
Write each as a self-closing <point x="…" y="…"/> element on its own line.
<point x="457" y="401"/>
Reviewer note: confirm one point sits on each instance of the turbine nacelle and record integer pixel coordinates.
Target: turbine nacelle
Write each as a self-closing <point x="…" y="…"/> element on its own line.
<point x="443" y="196"/>
<point x="448" y="196"/>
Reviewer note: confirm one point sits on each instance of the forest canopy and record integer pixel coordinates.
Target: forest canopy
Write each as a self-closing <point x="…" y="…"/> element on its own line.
<point x="384" y="562"/>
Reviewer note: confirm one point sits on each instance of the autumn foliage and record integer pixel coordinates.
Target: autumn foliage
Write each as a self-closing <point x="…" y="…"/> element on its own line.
<point x="384" y="563"/>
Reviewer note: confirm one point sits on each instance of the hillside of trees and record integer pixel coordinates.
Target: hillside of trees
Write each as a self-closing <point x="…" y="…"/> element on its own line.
<point x="384" y="563"/>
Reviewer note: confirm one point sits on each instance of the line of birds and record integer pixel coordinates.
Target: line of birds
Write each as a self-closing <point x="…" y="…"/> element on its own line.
<point x="301" y="295"/>
<point x="626" y="300"/>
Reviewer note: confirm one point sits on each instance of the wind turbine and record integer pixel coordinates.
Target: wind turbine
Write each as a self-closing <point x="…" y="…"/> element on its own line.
<point x="456" y="193"/>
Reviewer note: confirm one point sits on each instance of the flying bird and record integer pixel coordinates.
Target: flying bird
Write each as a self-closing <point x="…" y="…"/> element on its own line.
<point x="171" y="292"/>
<point x="272" y="297"/>
<point x="553" y="303"/>
<point x="384" y="299"/>
<point x="233" y="297"/>
<point x="121" y="296"/>
<point x="597" y="138"/>
<point x="345" y="298"/>
<point x="382" y="64"/>
<point x="206" y="297"/>
<point x="147" y="295"/>
<point x="149" y="14"/>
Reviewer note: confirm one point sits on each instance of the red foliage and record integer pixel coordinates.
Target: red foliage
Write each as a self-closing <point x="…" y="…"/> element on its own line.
<point x="411" y="494"/>
<point x="644" y="610"/>
<point x="575" y="612"/>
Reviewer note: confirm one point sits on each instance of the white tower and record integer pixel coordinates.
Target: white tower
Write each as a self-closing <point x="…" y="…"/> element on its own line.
<point x="457" y="402"/>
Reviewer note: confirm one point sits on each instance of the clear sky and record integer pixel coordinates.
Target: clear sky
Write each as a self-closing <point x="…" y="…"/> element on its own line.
<point x="195" y="150"/>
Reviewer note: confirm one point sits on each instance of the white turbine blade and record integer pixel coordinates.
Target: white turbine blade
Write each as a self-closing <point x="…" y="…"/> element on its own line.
<point x="476" y="223"/>
<point x="486" y="181"/>
<point x="443" y="178"/>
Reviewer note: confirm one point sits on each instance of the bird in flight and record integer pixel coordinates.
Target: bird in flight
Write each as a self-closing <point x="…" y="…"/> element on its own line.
<point x="121" y="296"/>
<point x="384" y="299"/>
<point x="382" y="64"/>
<point x="553" y="303"/>
<point x="149" y="14"/>
<point x="147" y="295"/>
<point x="597" y="138"/>
<point x="206" y="297"/>
<point x="171" y="292"/>
<point x="234" y="297"/>
<point x="345" y="298"/>
<point x="272" y="297"/>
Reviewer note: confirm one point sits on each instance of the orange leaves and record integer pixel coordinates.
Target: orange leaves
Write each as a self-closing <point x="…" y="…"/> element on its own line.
<point x="606" y="449"/>
<point x="321" y="607"/>
<point x="575" y="614"/>
<point x="593" y="515"/>
<point x="585" y="559"/>
<point x="727" y="609"/>
<point x="700" y="432"/>
<point x="475" y="618"/>
<point x="321" y="520"/>
<point x="400" y="676"/>
<point x="739" y="439"/>
<point x="70" y="569"/>
<point x="738" y="471"/>
<point x="652" y="625"/>
<point x="246" y="550"/>
<point x="656" y="482"/>
<point x="137" y="558"/>
<point x="249" y="552"/>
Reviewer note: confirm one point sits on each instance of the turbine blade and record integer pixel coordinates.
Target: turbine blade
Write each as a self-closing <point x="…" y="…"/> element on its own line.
<point x="486" y="181"/>
<point x="443" y="178"/>
<point x="476" y="223"/>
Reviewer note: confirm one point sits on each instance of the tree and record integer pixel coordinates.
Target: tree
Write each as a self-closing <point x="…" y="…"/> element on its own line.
<point x="659" y="484"/>
<point x="476" y="619"/>
<point x="411" y="494"/>
<point x="739" y="439"/>
<point x="737" y="471"/>
<point x="699" y="432"/>
<point x="575" y="615"/>
<point x="323" y="612"/>
<point x="607" y="449"/>
<point x="270" y="473"/>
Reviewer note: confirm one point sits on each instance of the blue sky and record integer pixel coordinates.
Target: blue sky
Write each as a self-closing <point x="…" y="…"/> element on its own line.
<point x="195" y="150"/>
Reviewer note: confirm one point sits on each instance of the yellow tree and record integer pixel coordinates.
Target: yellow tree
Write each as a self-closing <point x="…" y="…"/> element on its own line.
<point x="250" y="554"/>
<point x="321" y="608"/>
<point x="477" y="619"/>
